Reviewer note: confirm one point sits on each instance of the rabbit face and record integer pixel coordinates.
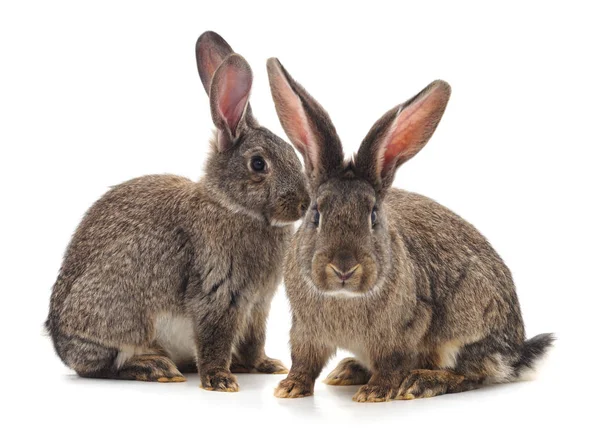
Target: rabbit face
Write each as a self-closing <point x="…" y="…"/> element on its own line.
<point x="251" y="170"/>
<point x="344" y="231"/>
<point x="262" y="176"/>
<point x="344" y="243"/>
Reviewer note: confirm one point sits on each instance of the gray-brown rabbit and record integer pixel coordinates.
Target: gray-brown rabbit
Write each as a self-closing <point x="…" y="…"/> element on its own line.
<point x="164" y="273"/>
<point x="416" y="293"/>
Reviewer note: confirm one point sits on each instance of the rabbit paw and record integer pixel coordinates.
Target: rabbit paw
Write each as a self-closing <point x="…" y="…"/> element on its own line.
<point x="348" y="372"/>
<point x="271" y="365"/>
<point x="374" y="393"/>
<point x="219" y="381"/>
<point x="423" y="383"/>
<point x="150" y="368"/>
<point x="266" y="365"/>
<point x="293" y="388"/>
<point x="240" y="368"/>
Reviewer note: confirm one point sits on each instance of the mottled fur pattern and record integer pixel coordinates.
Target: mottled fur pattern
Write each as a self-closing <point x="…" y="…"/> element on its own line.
<point x="164" y="272"/>
<point x="415" y="292"/>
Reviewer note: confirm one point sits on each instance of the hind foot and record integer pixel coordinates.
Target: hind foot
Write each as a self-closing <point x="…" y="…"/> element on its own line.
<point x="189" y="367"/>
<point x="272" y="366"/>
<point x="348" y="372"/>
<point x="150" y="368"/>
<point x="374" y="393"/>
<point x="423" y="383"/>
<point x="266" y="365"/>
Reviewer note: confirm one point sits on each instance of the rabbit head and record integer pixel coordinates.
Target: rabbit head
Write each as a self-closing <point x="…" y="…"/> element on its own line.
<point x="250" y="169"/>
<point x="344" y="240"/>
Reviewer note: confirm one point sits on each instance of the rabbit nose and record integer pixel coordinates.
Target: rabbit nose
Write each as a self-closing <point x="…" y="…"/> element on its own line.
<point x="344" y="265"/>
<point x="344" y="276"/>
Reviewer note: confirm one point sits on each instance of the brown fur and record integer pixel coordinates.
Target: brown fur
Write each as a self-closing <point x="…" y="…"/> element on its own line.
<point x="348" y="372"/>
<point x="159" y="252"/>
<point x="432" y="308"/>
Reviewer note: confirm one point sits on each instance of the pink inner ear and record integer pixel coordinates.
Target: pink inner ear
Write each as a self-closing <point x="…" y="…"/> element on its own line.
<point x="234" y="92"/>
<point x="412" y="128"/>
<point x="293" y="118"/>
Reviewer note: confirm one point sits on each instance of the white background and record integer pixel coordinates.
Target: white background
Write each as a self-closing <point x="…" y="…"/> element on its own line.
<point x="94" y="94"/>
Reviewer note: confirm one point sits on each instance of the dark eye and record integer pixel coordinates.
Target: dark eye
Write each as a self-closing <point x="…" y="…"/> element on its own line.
<point x="258" y="164"/>
<point x="373" y="217"/>
<point x="316" y="217"/>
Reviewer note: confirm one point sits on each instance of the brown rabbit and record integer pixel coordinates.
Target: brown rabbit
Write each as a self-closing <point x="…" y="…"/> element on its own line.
<point x="164" y="273"/>
<point x="416" y="293"/>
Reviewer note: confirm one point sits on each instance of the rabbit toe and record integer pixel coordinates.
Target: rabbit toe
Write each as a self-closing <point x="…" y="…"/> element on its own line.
<point x="374" y="393"/>
<point x="424" y="383"/>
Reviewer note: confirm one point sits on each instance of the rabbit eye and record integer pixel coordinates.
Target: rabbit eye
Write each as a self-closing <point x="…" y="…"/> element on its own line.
<point x="316" y="217"/>
<point x="373" y="217"/>
<point x="258" y="164"/>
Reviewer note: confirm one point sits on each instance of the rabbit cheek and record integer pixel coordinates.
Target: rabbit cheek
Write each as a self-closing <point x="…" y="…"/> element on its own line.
<point x="320" y="273"/>
<point x="369" y="274"/>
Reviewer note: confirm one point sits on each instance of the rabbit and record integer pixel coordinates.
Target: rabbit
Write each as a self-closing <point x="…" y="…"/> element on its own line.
<point x="164" y="275"/>
<point x="415" y="292"/>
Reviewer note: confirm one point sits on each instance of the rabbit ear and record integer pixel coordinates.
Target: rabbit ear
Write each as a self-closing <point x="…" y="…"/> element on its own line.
<point x="211" y="50"/>
<point x="306" y="124"/>
<point x="400" y="134"/>
<point x="229" y="94"/>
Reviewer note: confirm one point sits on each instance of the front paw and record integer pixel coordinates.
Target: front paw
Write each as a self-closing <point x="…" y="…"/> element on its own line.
<point x="271" y="365"/>
<point x="374" y="393"/>
<point x="220" y="380"/>
<point x="293" y="388"/>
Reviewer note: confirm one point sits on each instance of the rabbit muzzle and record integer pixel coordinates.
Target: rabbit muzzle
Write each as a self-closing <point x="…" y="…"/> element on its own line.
<point x="290" y="207"/>
<point x="343" y="271"/>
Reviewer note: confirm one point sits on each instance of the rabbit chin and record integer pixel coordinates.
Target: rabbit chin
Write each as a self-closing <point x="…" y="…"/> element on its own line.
<point x="334" y="287"/>
<point x="344" y="292"/>
<point x="282" y="223"/>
